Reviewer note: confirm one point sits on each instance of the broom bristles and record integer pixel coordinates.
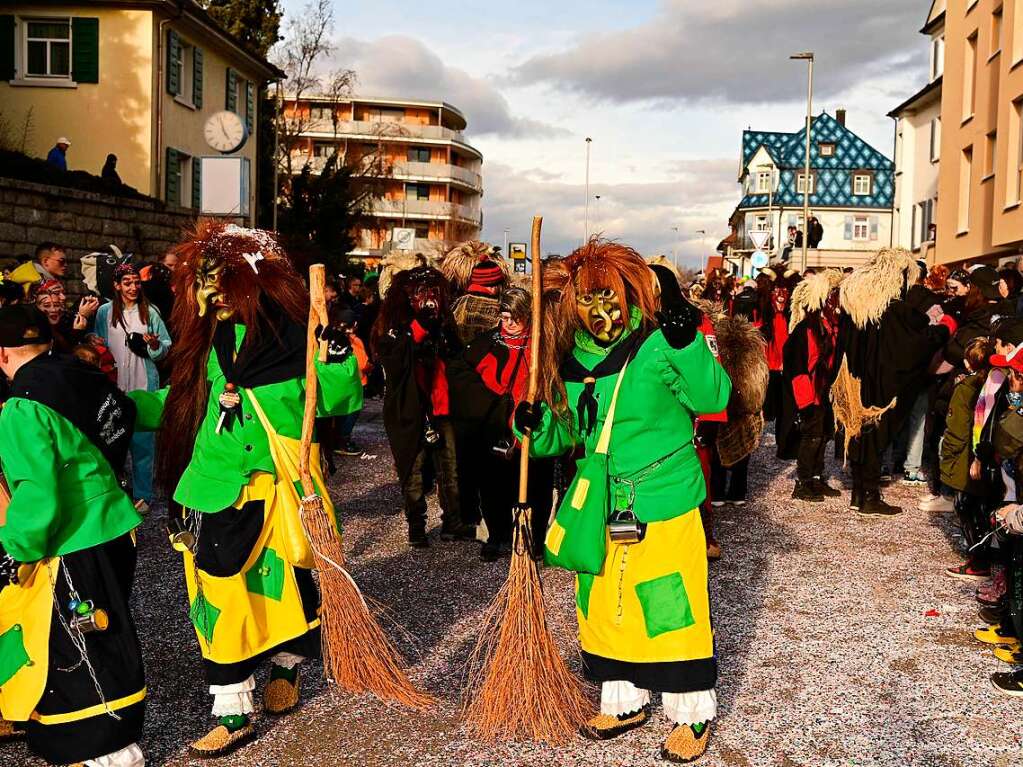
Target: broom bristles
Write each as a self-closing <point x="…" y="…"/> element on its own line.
<point x="357" y="654"/>
<point x="519" y="686"/>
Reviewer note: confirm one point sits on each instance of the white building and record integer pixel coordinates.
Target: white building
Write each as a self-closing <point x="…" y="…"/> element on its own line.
<point x="918" y="149"/>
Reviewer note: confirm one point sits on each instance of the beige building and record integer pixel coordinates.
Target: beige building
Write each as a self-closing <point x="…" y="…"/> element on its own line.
<point x="428" y="178"/>
<point x="918" y="151"/>
<point x="979" y="215"/>
<point x="137" y="79"/>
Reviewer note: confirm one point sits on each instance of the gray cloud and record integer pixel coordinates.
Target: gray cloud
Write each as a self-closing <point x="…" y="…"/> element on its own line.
<point x="736" y="51"/>
<point x="402" y="67"/>
<point x="701" y="196"/>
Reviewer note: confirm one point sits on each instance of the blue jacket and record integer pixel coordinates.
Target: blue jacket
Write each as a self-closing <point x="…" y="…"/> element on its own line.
<point x="155" y="327"/>
<point x="57" y="158"/>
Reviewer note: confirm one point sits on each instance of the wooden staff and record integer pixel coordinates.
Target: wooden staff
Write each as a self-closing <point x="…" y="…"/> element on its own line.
<point x="314" y="349"/>
<point x="534" y="356"/>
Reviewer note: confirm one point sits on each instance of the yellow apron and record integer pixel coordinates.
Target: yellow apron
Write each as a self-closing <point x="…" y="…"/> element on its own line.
<point x="240" y="616"/>
<point x="26" y="610"/>
<point x="649" y="603"/>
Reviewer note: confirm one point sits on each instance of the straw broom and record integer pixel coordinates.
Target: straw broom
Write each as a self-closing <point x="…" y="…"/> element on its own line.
<point x="518" y="684"/>
<point x="356" y="652"/>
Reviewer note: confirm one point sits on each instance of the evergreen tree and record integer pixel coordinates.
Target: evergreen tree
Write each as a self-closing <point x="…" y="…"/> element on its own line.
<point x="256" y="23"/>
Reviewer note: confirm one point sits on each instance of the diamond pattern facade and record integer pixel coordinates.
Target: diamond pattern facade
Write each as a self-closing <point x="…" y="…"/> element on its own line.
<point x="833" y="185"/>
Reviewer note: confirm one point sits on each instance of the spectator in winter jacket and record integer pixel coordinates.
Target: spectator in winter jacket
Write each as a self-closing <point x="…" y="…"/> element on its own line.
<point x="957" y="455"/>
<point x="58" y="155"/>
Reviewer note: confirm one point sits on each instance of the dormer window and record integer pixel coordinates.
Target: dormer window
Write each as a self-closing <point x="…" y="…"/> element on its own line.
<point x="826" y="149"/>
<point x="763" y="185"/>
<point x="863" y="184"/>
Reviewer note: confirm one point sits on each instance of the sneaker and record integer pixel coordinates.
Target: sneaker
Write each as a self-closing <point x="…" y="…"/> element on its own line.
<point x="821" y="486"/>
<point x="996" y="635"/>
<point x="992" y="616"/>
<point x="349" y="448"/>
<point x="856" y="500"/>
<point x="937" y="503"/>
<point x="806" y="491"/>
<point x="716" y="504"/>
<point x="914" y="478"/>
<point x="740" y="503"/>
<point x="1008" y="683"/>
<point x="490" y="552"/>
<point x="1010" y="655"/>
<point x="968" y="572"/>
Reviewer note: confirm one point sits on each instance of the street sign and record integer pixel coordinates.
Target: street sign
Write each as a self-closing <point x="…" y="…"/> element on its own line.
<point x="520" y="265"/>
<point x="759" y="238"/>
<point x="759" y="259"/>
<point x="403" y="239"/>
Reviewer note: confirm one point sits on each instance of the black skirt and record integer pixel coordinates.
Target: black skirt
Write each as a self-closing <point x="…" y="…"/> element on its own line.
<point x="84" y="730"/>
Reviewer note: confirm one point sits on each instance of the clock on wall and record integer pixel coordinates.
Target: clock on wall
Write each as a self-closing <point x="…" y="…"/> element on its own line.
<point x="226" y="132"/>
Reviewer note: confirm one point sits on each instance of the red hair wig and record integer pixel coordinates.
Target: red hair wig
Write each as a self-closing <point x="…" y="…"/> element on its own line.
<point x="260" y="291"/>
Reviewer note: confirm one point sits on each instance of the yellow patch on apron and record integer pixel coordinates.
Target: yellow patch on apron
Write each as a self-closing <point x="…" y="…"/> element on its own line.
<point x="26" y="610"/>
<point x="649" y="603"/>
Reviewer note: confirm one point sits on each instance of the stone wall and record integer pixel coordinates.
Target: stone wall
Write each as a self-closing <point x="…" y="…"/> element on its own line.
<point x="83" y="222"/>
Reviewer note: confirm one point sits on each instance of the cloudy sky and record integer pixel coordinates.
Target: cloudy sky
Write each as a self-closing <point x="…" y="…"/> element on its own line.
<point x="663" y="87"/>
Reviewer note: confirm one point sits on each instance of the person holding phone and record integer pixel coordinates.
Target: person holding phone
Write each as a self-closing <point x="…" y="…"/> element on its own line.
<point x="137" y="337"/>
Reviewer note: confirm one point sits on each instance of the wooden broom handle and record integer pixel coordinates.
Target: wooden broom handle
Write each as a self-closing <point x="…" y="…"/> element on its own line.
<point x="534" y="354"/>
<point x="314" y="349"/>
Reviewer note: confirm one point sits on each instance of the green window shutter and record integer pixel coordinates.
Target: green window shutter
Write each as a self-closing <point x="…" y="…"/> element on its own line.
<point x="197" y="183"/>
<point x="231" y="94"/>
<point x="848" y="229"/>
<point x="875" y="227"/>
<point x="173" y="57"/>
<point x="250" y="105"/>
<point x="7" y="47"/>
<point x="197" y="77"/>
<point x="172" y="177"/>
<point x="85" y="50"/>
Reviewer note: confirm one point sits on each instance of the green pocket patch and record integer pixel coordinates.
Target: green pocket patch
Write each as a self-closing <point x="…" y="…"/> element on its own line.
<point x="583" y="586"/>
<point x="266" y="576"/>
<point x="13" y="656"/>
<point x="204" y="617"/>
<point x="665" y="604"/>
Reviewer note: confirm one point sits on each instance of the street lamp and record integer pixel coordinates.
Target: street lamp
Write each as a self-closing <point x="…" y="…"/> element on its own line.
<point x="703" y="247"/>
<point x="674" y="247"/>
<point x="807" y="56"/>
<point x="505" y="251"/>
<point x="586" y="210"/>
<point x="596" y="213"/>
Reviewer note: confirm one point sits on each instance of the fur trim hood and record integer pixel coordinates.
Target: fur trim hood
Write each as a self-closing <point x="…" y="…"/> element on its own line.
<point x="867" y="292"/>
<point x="811" y="294"/>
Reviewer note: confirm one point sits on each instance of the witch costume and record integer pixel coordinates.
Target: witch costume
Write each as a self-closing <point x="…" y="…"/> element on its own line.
<point x="644" y="617"/>
<point x="71" y="674"/>
<point x="246" y="558"/>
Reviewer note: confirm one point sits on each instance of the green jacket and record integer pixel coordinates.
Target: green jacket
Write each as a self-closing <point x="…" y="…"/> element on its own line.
<point x="222" y="463"/>
<point x="652" y="449"/>
<point x="64" y="495"/>
<point x="956" y="452"/>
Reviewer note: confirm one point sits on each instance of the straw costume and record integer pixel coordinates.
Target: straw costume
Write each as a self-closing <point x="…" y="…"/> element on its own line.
<point x="887" y="345"/>
<point x="230" y="424"/>
<point x="644" y="618"/>
<point x="71" y="676"/>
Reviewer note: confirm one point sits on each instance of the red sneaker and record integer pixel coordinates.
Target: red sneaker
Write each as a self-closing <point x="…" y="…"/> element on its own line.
<point x="968" y="572"/>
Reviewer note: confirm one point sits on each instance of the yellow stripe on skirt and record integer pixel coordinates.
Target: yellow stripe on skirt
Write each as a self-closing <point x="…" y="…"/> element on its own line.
<point x="649" y="603"/>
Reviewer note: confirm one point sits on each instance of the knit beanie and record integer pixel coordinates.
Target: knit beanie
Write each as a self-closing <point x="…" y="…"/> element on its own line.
<point x="486" y="276"/>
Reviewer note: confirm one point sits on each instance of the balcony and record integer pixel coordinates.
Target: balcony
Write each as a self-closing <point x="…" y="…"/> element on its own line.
<point x="373" y="129"/>
<point x="423" y="209"/>
<point x="434" y="171"/>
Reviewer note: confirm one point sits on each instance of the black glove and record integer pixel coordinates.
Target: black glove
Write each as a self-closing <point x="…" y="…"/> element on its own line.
<point x="137" y="345"/>
<point x="338" y="344"/>
<point x="8" y="569"/>
<point x="431" y="323"/>
<point x="527" y="416"/>
<point x="679" y="324"/>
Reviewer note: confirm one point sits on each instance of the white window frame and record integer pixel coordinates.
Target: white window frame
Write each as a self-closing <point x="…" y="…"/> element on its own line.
<point x="937" y="57"/>
<point x="186" y="73"/>
<point x="24" y="39"/>
<point x="761" y="223"/>
<point x="800" y="183"/>
<point x="763" y="181"/>
<point x="826" y="149"/>
<point x="860" y="191"/>
<point x="861" y="228"/>
<point x="935" y="149"/>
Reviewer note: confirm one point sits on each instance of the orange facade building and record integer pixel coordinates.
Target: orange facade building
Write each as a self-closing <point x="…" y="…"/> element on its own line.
<point x="427" y="180"/>
<point x="980" y="185"/>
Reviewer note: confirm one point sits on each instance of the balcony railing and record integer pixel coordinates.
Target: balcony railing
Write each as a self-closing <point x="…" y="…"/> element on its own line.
<point x="382" y="129"/>
<point x="433" y="171"/>
<point x="397" y="208"/>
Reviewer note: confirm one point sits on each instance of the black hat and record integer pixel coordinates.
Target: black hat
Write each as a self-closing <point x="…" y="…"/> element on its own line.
<point x="23" y="325"/>
<point x="986" y="278"/>
<point x="1009" y="331"/>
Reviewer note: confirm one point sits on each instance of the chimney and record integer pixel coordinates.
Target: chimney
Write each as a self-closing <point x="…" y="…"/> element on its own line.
<point x="840" y="116"/>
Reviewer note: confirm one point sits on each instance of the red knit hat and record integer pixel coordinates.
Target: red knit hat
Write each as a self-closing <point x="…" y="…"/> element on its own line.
<point x="487" y="275"/>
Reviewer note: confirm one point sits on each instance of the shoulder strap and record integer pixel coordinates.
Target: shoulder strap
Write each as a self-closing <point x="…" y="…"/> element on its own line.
<point x="604" y="441"/>
<point x="259" y="413"/>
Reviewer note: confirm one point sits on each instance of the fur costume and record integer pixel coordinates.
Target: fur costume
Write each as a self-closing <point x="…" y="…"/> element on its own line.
<point x="228" y="434"/>
<point x="456" y="265"/>
<point x="395" y="262"/>
<point x="633" y="636"/>
<point x="887" y="345"/>
<point x="811" y="294"/>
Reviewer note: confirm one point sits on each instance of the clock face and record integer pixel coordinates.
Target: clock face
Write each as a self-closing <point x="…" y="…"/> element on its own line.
<point x="226" y="132"/>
